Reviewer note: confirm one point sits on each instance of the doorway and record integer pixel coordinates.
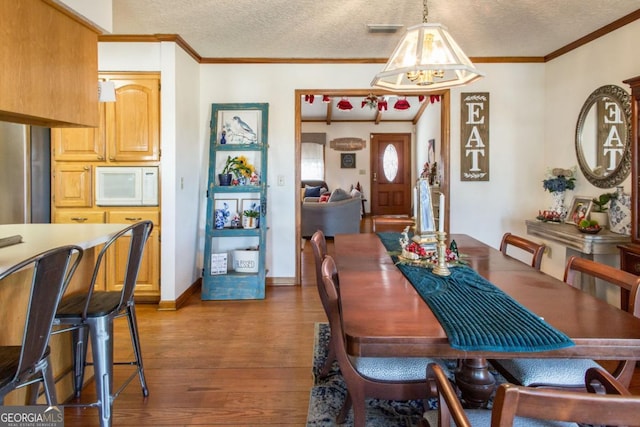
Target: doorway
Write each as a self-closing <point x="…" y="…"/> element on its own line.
<point x="300" y="95"/>
<point x="391" y="174"/>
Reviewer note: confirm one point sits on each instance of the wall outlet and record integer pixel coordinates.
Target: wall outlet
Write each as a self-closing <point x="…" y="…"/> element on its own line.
<point x="280" y="180"/>
<point x="362" y="172"/>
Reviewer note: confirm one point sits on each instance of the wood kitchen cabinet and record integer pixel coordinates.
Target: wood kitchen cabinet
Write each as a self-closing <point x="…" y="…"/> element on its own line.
<point x="72" y="185"/>
<point x="128" y="135"/>
<point x="129" y="128"/>
<point x="148" y="284"/>
<point x="79" y="216"/>
<point x="80" y="144"/>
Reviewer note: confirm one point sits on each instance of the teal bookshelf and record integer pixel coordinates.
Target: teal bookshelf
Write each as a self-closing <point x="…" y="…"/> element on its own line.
<point x="234" y="253"/>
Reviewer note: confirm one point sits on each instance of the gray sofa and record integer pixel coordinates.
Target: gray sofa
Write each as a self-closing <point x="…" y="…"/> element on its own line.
<point x="331" y="217"/>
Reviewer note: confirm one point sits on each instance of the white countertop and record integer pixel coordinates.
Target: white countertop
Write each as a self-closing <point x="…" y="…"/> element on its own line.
<point x="38" y="238"/>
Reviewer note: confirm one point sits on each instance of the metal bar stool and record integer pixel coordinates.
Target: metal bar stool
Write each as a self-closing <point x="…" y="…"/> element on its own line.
<point x="92" y="313"/>
<point x="29" y="363"/>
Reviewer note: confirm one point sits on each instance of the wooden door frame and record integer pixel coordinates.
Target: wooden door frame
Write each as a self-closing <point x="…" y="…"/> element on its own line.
<point x="445" y="154"/>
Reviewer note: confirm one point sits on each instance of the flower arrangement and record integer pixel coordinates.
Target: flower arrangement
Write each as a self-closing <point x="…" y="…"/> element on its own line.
<point x="560" y="180"/>
<point x="239" y="166"/>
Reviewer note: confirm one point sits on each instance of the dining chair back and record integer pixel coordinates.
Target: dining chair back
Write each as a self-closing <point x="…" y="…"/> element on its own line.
<point x="391" y="378"/>
<point x="91" y="315"/>
<point x="535" y="249"/>
<point x="29" y="364"/>
<point x="569" y="373"/>
<point x="319" y="248"/>
<point x="607" y="403"/>
<point x="397" y="223"/>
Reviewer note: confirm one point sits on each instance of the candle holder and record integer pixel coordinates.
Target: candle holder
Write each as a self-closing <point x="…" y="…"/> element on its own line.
<point x="441" y="268"/>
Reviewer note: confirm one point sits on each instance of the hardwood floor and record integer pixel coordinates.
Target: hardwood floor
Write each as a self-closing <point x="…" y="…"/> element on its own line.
<point x="223" y="363"/>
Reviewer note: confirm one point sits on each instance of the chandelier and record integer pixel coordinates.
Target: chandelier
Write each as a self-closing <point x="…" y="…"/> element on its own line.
<point x="426" y="58"/>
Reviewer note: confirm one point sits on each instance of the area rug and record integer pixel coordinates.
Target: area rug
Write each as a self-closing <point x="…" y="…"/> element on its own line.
<point x="328" y="394"/>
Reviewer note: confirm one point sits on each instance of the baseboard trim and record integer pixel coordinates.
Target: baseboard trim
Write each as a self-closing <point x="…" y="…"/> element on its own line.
<point x="182" y="299"/>
<point x="281" y="281"/>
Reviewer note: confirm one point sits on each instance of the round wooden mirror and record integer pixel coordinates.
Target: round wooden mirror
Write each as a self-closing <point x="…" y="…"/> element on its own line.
<point x="603" y="137"/>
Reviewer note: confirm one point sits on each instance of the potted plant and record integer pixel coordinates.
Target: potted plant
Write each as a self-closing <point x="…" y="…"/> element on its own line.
<point x="600" y="207"/>
<point x="238" y="166"/>
<point x="250" y="219"/>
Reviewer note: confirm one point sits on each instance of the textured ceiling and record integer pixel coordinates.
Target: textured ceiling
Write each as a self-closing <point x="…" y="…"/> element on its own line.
<point x="337" y="28"/>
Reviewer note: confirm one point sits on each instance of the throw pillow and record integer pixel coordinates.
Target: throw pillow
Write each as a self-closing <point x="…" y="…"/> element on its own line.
<point x="324" y="198"/>
<point x="312" y="191"/>
<point x="339" y="194"/>
<point x="356" y="194"/>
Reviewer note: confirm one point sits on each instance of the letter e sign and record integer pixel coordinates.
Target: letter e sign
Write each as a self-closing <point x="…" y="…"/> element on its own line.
<point x="474" y="136"/>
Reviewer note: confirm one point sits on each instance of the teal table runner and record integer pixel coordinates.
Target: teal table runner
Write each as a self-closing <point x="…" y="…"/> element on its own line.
<point x="474" y="313"/>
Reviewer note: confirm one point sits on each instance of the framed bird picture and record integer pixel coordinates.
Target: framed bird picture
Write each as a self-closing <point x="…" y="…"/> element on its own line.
<point x="239" y="126"/>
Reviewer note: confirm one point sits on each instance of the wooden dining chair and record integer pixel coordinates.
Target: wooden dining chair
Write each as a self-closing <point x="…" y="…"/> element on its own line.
<point x="319" y="247"/>
<point x="391" y="223"/>
<point x="389" y="378"/>
<point x="607" y="403"/>
<point x="568" y="373"/>
<point x="535" y="249"/>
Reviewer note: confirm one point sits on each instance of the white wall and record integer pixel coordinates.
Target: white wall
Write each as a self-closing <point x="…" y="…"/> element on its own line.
<point x="98" y="12"/>
<point x="485" y="210"/>
<point x="181" y="174"/>
<point x="428" y="127"/>
<point x="569" y="81"/>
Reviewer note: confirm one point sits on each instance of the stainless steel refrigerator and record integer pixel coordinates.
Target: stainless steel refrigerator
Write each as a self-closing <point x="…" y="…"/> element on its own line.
<point x="25" y="174"/>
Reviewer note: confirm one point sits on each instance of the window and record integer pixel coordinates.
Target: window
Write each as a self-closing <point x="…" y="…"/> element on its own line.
<point x="312" y="159"/>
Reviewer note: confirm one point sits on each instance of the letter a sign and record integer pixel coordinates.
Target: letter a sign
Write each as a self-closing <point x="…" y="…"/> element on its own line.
<point x="474" y="136"/>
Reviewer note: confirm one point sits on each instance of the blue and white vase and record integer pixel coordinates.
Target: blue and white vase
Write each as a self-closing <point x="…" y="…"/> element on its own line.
<point x="558" y="204"/>
<point x="219" y="219"/>
<point x="620" y="213"/>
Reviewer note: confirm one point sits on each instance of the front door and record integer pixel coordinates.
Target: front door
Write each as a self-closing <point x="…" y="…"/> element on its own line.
<point x="391" y="174"/>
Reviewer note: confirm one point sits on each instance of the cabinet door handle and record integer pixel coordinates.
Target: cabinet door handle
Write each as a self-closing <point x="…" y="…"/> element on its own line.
<point x="78" y="218"/>
<point x="86" y="168"/>
<point x="100" y="157"/>
<point x="112" y="158"/>
<point x="133" y="219"/>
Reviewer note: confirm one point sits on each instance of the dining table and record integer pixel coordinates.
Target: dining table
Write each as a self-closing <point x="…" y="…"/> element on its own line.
<point x="384" y="315"/>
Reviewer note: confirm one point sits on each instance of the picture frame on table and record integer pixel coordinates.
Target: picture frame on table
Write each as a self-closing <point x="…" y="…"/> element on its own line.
<point x="580" y="209"/>
<point x="228" y="209"/>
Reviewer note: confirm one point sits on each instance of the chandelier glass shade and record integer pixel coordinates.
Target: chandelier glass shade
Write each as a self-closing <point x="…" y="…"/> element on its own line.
<point x="427" y="58"/>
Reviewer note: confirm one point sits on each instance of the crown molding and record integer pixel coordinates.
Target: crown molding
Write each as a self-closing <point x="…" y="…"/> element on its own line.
<point x="154" y="38"/>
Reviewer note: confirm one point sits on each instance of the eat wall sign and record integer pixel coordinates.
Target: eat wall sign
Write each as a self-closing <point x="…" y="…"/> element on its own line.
<point x="474" y="136"/>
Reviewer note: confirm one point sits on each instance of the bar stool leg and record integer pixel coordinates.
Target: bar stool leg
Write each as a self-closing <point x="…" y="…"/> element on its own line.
<point x="135" y="341"/>
<point x="80" y="337"/>
<point x="49" y="384"/>
<point x="101" y="333"/>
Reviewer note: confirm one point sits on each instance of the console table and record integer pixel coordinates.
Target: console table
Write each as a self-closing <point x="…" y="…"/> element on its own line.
<point x="601" y="247"/>
<point x="605" y="242"/>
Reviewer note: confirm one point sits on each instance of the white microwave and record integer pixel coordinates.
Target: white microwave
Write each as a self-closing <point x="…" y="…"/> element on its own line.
<point x="126" y="186"/>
